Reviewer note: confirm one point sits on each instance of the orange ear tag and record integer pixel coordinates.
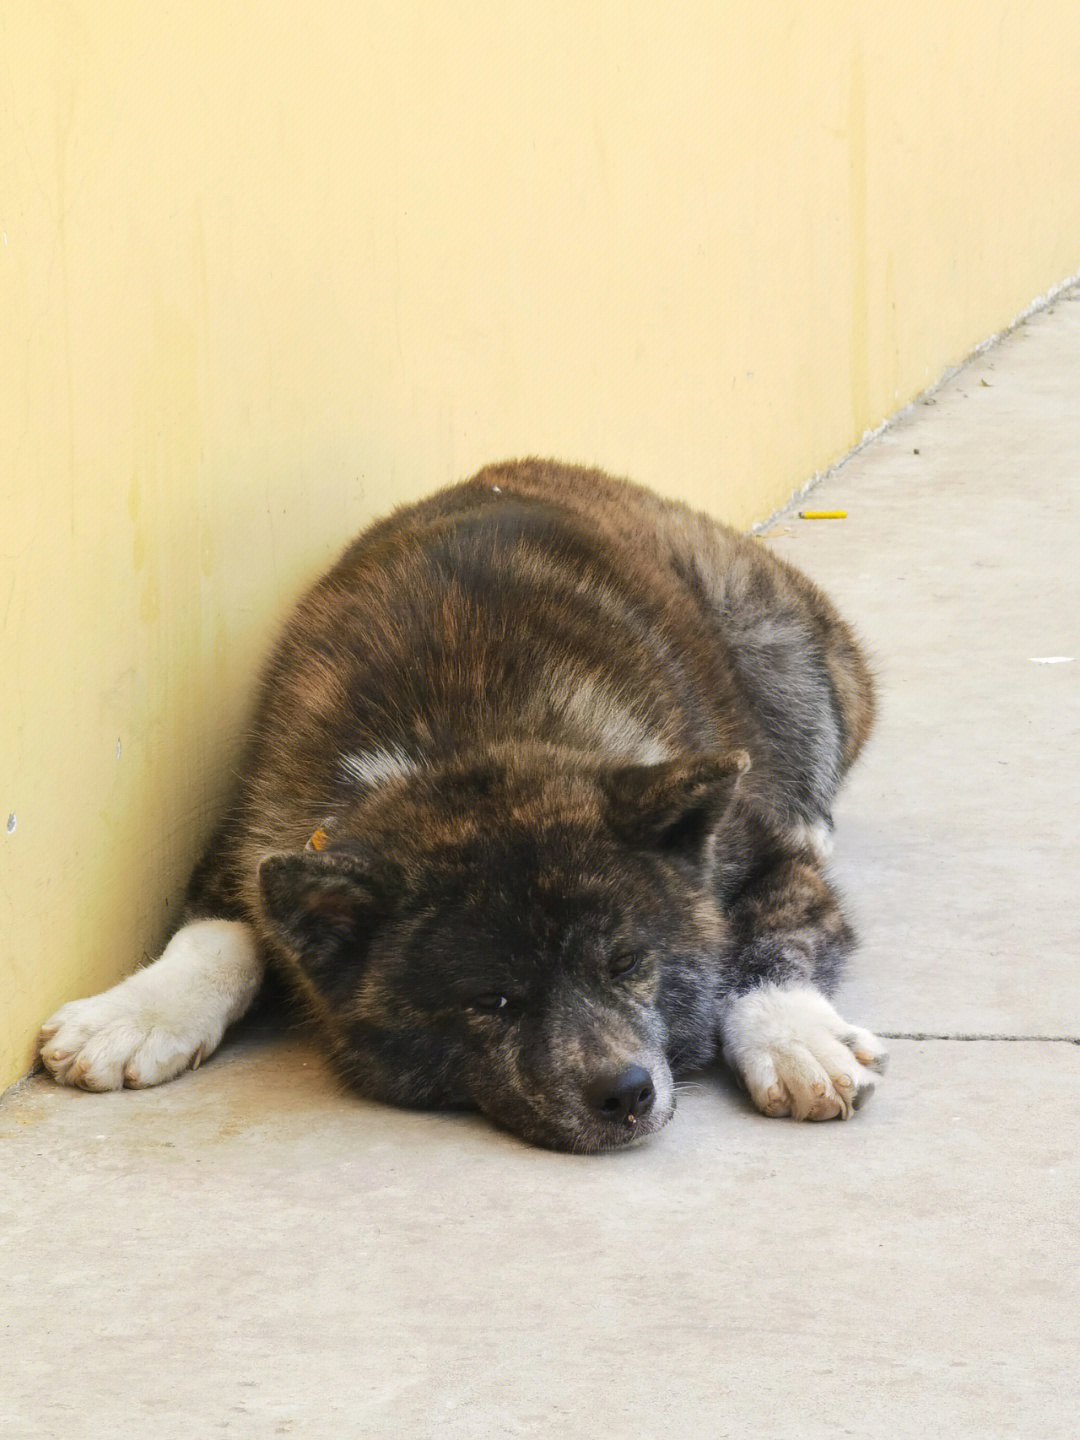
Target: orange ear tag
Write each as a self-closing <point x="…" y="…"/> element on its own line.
<point x="317" y="841"/>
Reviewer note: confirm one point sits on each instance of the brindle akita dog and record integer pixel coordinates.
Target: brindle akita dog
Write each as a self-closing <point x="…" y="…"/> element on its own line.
<point x="533" y="817"/>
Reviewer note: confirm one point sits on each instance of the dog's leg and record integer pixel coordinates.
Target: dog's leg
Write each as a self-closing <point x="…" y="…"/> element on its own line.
<point x="164" y="1019"/>
<point x="781" y="1036"/>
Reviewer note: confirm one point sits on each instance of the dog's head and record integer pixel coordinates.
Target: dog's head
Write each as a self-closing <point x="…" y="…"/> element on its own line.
<point x="513" y="939"/>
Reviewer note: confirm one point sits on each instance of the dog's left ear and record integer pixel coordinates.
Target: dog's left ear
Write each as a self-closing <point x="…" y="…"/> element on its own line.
<point x="674" y="807"/>
<point x="325" y="904"/>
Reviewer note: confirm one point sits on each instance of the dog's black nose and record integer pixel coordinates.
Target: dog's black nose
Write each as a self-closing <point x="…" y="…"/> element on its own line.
<point x="622" y="1096"/>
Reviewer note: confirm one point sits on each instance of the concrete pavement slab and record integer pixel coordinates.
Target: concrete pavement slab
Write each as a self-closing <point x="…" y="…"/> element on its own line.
<point x="247" y="1252"/>
<point x="959" y="832"/>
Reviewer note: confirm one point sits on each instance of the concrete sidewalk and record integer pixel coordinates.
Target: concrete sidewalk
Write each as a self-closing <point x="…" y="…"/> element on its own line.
<point x="250" y="1253"/>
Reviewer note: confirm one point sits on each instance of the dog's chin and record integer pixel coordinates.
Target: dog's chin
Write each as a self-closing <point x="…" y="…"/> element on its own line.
<point x="589" y="1138"/>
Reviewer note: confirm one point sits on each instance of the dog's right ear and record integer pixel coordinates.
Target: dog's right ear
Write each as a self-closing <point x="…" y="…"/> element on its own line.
<point x="324" y="905"/>
<point x="676" y="806"/>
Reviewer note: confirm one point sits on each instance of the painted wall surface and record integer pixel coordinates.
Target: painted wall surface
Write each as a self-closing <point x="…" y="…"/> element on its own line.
<point x="269" y="267"/>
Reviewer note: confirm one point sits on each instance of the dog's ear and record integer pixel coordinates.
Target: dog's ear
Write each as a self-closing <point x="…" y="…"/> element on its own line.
<point x="325" y="905"/>
<point x="674" y="807"/>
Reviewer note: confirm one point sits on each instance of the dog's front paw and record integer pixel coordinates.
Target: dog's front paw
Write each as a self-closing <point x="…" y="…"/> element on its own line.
<point x="796" y="1056"/>
<point x="118" y="1038"/>
<point x="161" y="1020"/>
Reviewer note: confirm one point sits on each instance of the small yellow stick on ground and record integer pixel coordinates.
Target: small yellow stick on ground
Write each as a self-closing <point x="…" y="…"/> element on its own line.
<point x="822" y="514"/>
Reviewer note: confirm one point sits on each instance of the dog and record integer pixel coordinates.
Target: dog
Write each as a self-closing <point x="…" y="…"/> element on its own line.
<point x="533" y="818"/>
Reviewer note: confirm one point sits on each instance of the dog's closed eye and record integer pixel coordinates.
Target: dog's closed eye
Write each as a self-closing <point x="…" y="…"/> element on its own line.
<point x="489" y="1004"/>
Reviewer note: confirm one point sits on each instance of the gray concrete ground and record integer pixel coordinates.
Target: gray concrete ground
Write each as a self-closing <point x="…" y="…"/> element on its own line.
<point x="249" y="1252"/>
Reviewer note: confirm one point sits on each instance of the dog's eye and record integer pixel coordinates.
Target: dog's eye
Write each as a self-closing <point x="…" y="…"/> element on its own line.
<point x="489" y="1004"/>
<point x="623" y="963"/>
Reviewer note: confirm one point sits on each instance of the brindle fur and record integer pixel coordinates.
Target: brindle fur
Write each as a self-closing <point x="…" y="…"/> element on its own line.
<point x="591" y="724"/>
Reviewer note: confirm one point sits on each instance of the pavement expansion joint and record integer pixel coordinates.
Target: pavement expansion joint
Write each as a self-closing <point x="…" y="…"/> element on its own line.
<point x="931" y="1035"/>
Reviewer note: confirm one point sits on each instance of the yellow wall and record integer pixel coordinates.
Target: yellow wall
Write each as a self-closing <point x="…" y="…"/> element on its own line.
<point x="268" y="267"/>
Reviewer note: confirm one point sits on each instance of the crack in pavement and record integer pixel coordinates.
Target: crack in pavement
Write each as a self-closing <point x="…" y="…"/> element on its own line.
<point x="931" y="1035"/>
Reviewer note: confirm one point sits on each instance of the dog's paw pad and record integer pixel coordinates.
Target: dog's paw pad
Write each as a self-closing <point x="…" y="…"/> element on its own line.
<point x="797" y="1057"/>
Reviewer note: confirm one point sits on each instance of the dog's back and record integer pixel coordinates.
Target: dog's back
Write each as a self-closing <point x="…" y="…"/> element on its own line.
<point x="542" y="605"/>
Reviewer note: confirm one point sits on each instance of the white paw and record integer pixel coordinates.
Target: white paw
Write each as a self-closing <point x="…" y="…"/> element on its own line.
<point x="797" y="1057"/>
<point x="117" y="1038"/>
<point x="161" y="1020"/>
